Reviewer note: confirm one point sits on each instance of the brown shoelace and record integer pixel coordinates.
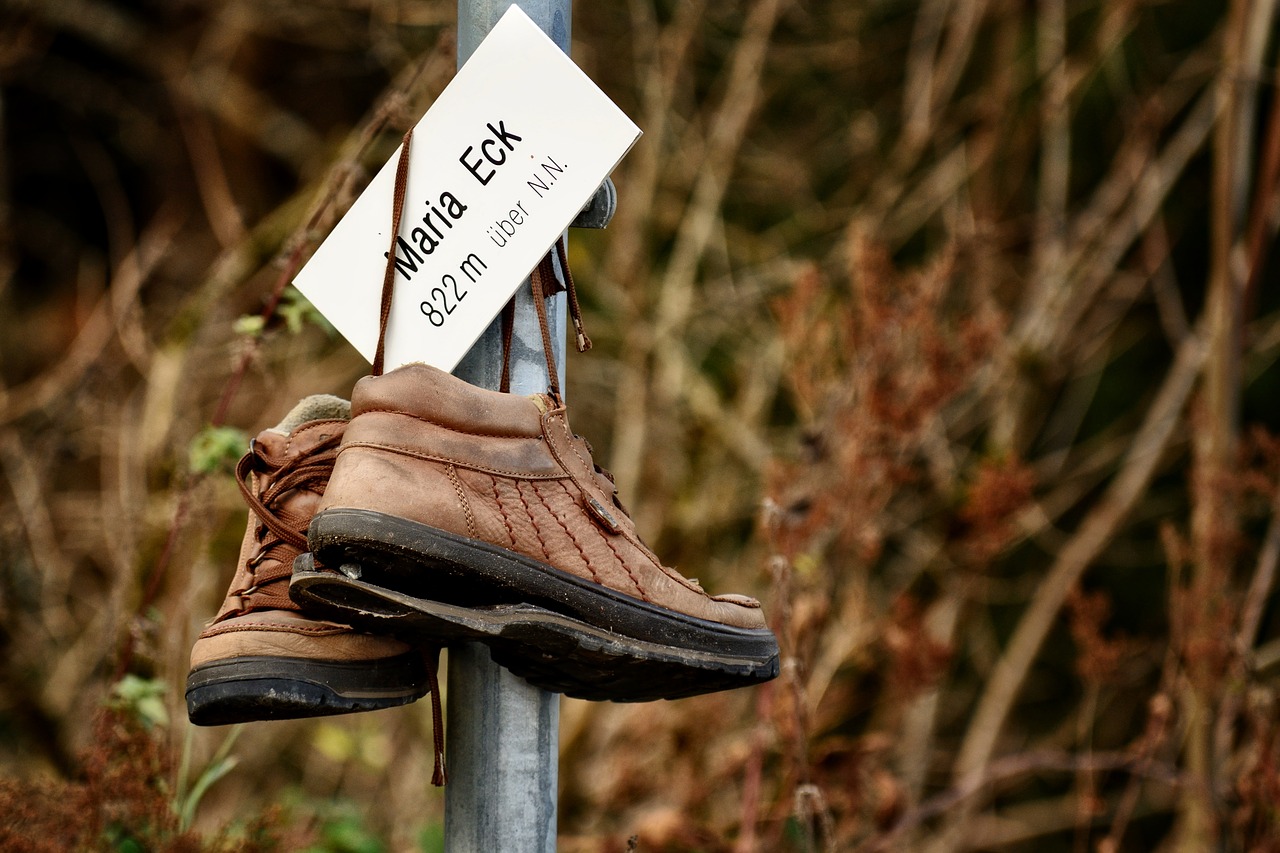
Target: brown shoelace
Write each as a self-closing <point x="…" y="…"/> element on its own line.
<point x="288" y="539"/>
<point x="282" y="535"/>
<point x="543" y="281"/>
<point x="430" y="654"/>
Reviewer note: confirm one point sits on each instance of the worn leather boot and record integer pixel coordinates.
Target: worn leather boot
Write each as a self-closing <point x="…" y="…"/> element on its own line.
<point x="457" y="513"/>
<point x="261" y="658"/>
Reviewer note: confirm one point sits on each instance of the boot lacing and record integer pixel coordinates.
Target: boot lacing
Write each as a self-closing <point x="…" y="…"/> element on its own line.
<point x="282" y="535"/>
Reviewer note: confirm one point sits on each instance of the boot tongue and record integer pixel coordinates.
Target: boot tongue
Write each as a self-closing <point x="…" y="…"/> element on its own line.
<point x="317" y="407"/>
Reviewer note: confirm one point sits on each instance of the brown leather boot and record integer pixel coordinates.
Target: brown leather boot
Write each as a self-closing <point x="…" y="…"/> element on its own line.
<point x="261" y="658"/>
<point x="457" y="513"/>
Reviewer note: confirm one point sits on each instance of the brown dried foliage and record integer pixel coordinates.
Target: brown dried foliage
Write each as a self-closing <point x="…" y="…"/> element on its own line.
<point x="1099" y="657"/>
<point x="916" y="660"/>
<point x="120" y="798"/>
<point x="928" y="322"/>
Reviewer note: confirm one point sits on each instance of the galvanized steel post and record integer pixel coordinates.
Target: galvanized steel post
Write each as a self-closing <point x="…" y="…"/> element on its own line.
<point x="502" y="735"/>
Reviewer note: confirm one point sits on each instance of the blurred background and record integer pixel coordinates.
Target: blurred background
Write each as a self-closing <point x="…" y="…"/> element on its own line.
<point x="946" y="327"/>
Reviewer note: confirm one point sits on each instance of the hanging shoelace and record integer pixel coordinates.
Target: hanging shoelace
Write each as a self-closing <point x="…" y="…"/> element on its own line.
<point x="544" y="283"/>
<point x="431" y="655"/>
<point x="388" y="277"/>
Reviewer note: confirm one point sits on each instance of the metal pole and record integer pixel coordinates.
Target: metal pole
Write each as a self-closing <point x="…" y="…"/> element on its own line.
<point x="502" y="733"/>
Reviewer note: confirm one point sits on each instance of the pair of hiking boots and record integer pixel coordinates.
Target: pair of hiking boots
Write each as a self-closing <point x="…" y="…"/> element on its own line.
<point x="428" y="511"/>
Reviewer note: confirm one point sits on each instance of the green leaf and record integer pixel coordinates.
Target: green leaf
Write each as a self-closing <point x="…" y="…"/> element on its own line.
<point x="249" y="324"/>
<point x="152" y="710"/>
<point x="216" y="449"/>
<point x="185" y="803"/>
<point x="431" y="838"/>
<point x="211" y="774"/>
<point x="128" y="845"/>
<point x="297" y="311"/>
<point x="348" y="835"/>
<point x="144" y="697"/>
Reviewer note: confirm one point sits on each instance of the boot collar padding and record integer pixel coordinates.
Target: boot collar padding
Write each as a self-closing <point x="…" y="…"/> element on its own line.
<point x="317" y="407"/>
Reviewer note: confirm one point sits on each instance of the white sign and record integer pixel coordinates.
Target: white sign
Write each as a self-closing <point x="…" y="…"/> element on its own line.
<point x="499" y="166"/>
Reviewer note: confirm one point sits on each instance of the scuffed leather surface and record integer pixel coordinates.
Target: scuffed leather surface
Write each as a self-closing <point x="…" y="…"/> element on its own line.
<point x="426" y="446"/>
<point x="281" y="632"/>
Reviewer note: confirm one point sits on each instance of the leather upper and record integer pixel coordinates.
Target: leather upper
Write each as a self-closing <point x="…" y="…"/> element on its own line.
<point x="426" y="446"/>
<point x="257" y="618"/>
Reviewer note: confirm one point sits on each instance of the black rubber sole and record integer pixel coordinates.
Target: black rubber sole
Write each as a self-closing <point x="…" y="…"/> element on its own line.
<point x="249" y="689"/>
<point x="557" y="631"/>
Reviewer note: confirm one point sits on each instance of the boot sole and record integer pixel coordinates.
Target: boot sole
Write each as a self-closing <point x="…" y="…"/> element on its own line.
<point x="558" y="631"/>
<point x="249" y="689"/>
